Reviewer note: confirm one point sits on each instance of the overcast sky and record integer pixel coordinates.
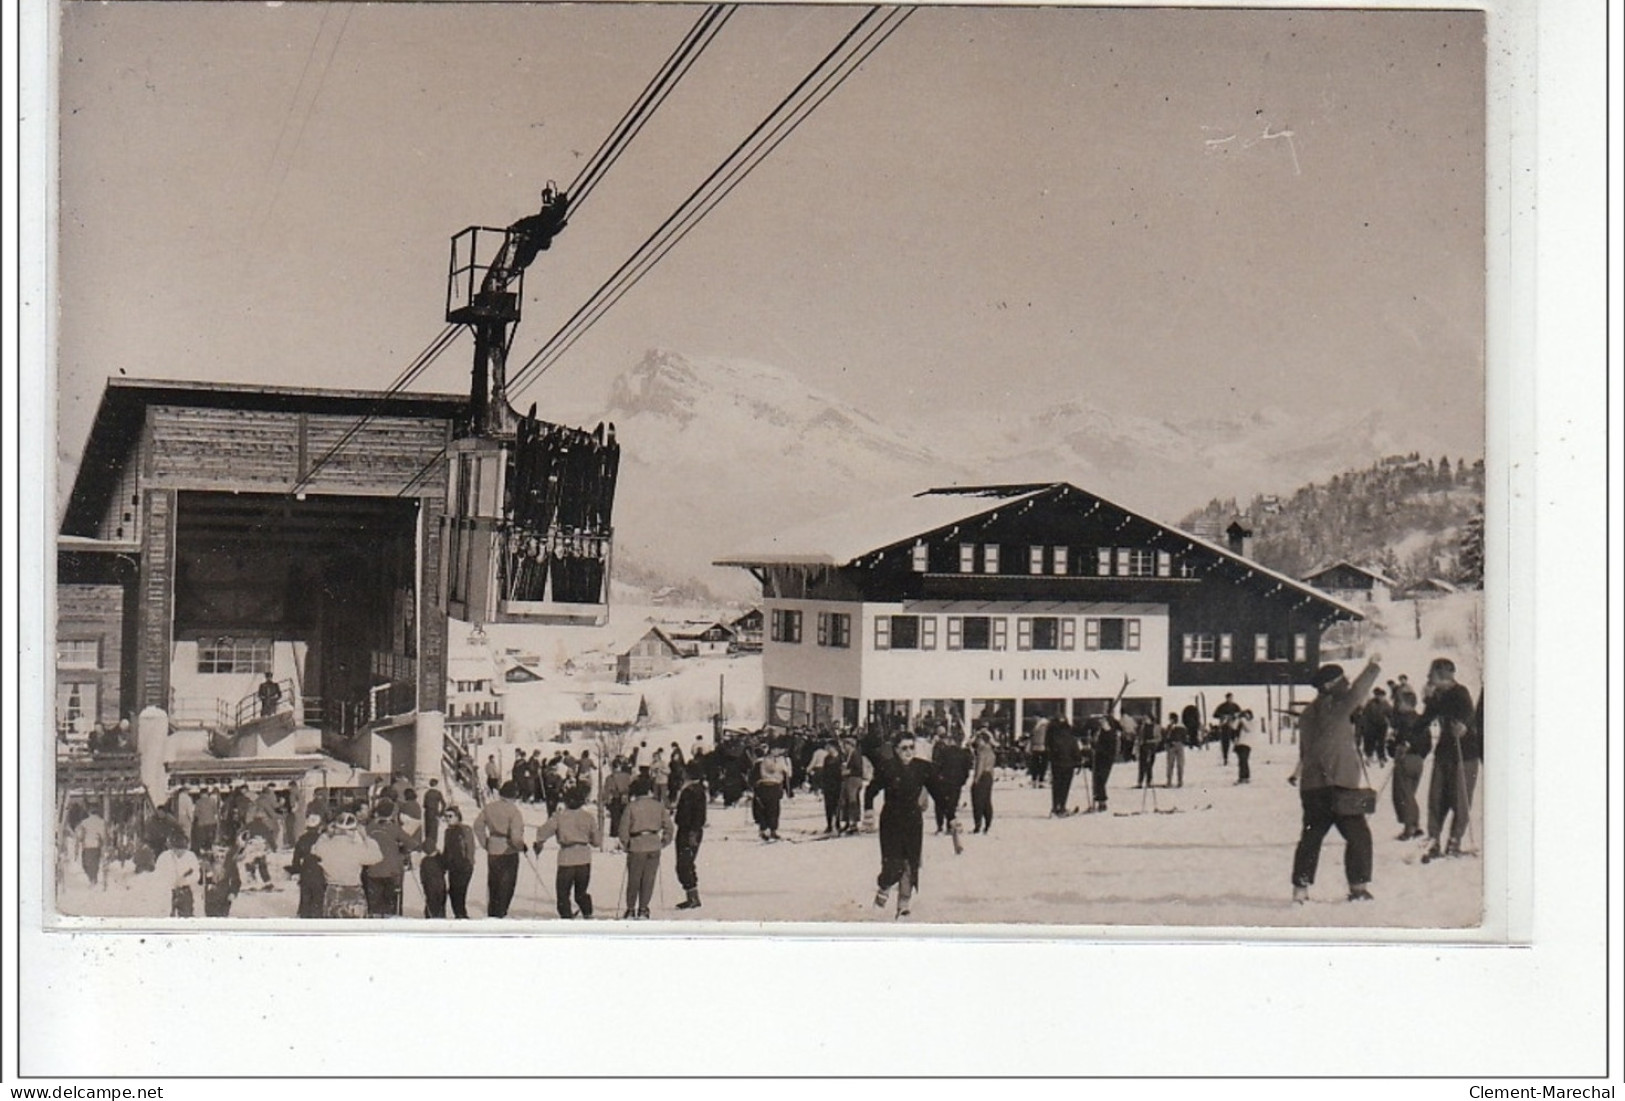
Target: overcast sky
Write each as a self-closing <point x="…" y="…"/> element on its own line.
<point x="1166" y="212"/>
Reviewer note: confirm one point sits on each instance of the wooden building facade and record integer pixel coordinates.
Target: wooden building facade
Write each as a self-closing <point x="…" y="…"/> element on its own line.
<point x="217" y="533"/>
<point x="1004" y="603"/>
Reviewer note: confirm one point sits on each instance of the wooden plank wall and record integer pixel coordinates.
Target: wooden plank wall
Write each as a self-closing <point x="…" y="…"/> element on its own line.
<point x="191" y="448"/>
<point x="155" y="596"/>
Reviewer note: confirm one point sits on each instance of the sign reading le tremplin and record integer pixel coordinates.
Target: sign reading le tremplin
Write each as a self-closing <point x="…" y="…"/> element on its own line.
<point x="1049" y="672"/>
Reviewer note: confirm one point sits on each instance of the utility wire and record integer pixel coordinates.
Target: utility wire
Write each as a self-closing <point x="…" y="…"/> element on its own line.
<point x="654" y="94"/>
<point x="776" y="126"/>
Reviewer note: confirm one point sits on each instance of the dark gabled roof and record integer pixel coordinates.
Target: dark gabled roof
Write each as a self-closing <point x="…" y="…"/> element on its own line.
<point x="864" y="534"/>
<point x="1341" y="563"/>
<point x="125" y="402"/>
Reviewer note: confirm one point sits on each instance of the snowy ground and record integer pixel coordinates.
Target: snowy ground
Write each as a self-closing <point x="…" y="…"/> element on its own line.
<point x="1210" y="854"/>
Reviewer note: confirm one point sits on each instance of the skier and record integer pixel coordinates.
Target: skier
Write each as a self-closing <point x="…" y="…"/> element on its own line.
<point x="906" y="781"/>
<point x="1411" y="745"/>
<point x="306" y="865"/>
<point x="345" y="851"/>
<point x="983" y="761"/>
<point x="954" y="763"/>
<point x="853" y="781"/>
<point x="617" y="790"/>
<point x="826" y="768"/>
<point x="434" y="805"/>
<point x="500" y="829"/>
<point x="690" y="823"/>
<point x="1243" y="726"/>
<point x="1061" y="744"/>
<point x="577" y="833"/>
<point x="178" y="868"/>
<point x="1456" y="756"/>
<point x="1103" y="754"/>
<point x="1174" y="737"/>
<point x="383" y="879"/>
<point x="457" y="854"/>
<point x="1328" y="767"/>
<point x="646" y="828"/>
<point x="772" y="773"/>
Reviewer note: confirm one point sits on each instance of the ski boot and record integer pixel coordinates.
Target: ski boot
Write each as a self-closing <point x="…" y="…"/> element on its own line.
<point x="692" y="901"/>
<point x="1359" y="893"/>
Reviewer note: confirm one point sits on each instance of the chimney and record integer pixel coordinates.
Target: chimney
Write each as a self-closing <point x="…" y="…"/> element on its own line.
<point x="1240" y="539"/>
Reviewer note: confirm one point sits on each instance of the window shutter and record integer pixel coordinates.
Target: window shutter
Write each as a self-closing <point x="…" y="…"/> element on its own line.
<point x="1001" y="633"/>
<point x="1226" y="647"/>
<point x="1058" y="561"/>
<point x="823" y="628"/>
<point x="1122" y="561"/>
<point x="1131" y="634"/>
<point x="1261" y="647"/>
<point x="956" y="632"/>
<point x="1024" y="633"/>
<point x="1069" y="633"/>
<point x="1091" y="634"/>
<point x="1035" y="559"/>
<point x="990" y="558"/>
<point x="1165" y="564"/>
<point x="1103" y="561"/>
<point x="928" y="632"/>
<point x="882" y="632"/>
<point x="921" y="558"/>
<point x="1300" y="647"/>
<point x="1187" y="647"/>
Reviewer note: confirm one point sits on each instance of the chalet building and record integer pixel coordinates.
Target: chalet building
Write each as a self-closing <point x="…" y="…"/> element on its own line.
<point x="217" y="533"/>
<point x="700" y="637"/>
<point x="650" y="652"/>
<point x="1430" y="588"/>
<point x="1004" y="603"/>
<point x="748" y="632"/>
<point x="1356" y="584"/>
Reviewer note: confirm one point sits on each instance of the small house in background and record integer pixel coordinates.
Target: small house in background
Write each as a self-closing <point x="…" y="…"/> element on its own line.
<point x="748" y="632"/>
<point x="1357" y="584"/>
<point x="1239" y="538"/>
<point x="700" y="637"/>
<point x="1429" y="588"/>
<point x="643" y="653"/>
<point x="547" y="713"/>
<point x="520" y="668"/>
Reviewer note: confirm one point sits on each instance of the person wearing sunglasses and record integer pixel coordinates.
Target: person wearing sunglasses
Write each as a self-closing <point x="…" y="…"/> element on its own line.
<point x="906" y="782"/>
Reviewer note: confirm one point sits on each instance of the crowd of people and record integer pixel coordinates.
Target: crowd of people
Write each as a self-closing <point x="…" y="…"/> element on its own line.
<point x="353" y="852"/>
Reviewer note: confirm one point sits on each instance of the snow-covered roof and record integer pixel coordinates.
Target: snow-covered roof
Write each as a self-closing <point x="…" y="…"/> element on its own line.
<point x="1375" y="575"/>
<point x="837" y="540"/>
<point x="530" y="707"/>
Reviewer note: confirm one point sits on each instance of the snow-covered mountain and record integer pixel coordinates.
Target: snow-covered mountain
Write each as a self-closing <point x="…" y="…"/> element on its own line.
<point x="717" y="451"/>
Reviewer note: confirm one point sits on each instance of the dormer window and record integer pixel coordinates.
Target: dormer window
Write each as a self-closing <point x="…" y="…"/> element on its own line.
<point x="921" y="557"/>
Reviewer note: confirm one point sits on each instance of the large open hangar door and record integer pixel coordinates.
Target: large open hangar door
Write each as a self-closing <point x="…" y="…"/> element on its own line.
<point x="318" y="591"/>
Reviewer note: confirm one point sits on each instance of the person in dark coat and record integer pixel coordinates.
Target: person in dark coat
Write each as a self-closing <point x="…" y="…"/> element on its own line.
<point x="434" y="805"/>
<point x="1105" y="748"/>
<point x="1061" y="745"/>
<point x="1457" y="755"/>
<point x="306" y="866"/>
<point x="953" y="762"/>
<point x="382" y="881"/>
<point x="905" y="780"/>
<point x="457" y="855"/>
<point x="689" y="819"/>
<point x="829" y="784"/>
<point x="1411" y="744"/>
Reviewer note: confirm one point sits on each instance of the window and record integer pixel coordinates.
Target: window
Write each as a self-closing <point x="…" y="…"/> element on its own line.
<point x="990" y="558"/>
<point x="1199" y="646"/>
<point x="1134" y="562"/>
<point x="1044" y="632"/>
<point x="1103" y="561"/>
<point x="1035" y="559"/>
<point x="971" y="632"/>
<point x="906" y="632"/>
<point x="78" y="653"/>
<point x="786" y="625"/>
<point x="75" y="706"/>
<point x="787" y="707"/>
<point x="921" y="559"/>
<point x="1227" y="647"/>
<point x="1187" y="569"/>
<point x="1280" y="647"/>
<point x="1111" y="633"/>
<point x="835" y="629"/>
<point x="967" y="558"/>
<point x="234" y="655"/>
<point x="1057" y="559"/>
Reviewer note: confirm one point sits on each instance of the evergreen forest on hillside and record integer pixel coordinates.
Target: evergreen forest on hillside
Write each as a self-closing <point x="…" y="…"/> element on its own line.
<point x="1410" y="517"/>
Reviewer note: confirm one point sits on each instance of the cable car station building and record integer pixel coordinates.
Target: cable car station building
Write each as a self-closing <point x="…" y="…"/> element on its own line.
<point x="219" y="533"/>
<point x="1000" y="604"/>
